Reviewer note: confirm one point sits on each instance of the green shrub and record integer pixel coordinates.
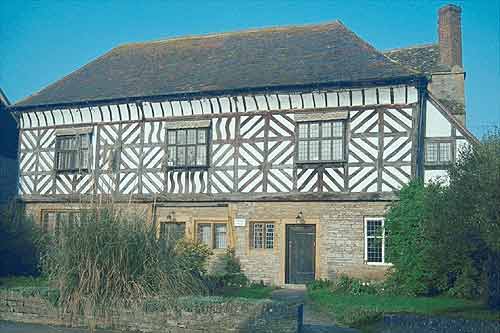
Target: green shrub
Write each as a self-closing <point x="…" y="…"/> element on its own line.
<point x="319" y="284"/>
<point x="194" y="256"/>
<point x="230" y="275"/>
<point x="444" y="238"/>
<point x="108" y="260"/>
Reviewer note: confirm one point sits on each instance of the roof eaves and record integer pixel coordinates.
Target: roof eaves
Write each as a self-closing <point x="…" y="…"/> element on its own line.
<point x="417" y="79"/>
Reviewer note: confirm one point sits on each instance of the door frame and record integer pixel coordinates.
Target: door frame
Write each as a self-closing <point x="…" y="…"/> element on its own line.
<point x="317" y="260"/>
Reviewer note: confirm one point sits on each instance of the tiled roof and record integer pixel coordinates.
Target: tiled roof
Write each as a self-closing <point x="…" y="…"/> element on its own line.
<point x="266" y="58"/>
<point x="423" y="58"/>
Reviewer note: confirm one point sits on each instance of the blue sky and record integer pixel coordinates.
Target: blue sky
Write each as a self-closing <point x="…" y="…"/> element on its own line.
<point x="40" y="42"/>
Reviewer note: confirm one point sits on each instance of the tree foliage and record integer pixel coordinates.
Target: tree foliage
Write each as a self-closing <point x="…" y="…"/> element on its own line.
<point x="445" y="237"/>
<point x="19" y="242"/>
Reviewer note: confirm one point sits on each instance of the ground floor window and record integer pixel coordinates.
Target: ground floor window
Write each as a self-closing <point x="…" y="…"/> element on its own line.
<point x="214" y="235"/>
<point x="172" y="230"/>
<point x="52" y="221"/>
<point x="374" y="241"/>
<point x="262" y="235"/>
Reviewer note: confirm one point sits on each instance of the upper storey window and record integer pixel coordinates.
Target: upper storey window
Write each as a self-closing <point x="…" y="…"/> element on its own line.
<point x="321" y="141"/>
<point x="73" y="152"/>
<point x="437" y="152"/>
<point x="187" y="147"/>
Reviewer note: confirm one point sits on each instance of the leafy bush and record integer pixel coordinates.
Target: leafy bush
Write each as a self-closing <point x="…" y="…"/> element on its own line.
<point x="108" y="260"/>
<point x="445" y="238"/>
<point x="194" y="257"/>
<point x="19" y="242"/>
<point x="230" y="275"/>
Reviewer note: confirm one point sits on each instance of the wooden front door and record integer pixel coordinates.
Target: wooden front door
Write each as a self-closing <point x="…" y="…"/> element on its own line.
<point x="300" y="253"/>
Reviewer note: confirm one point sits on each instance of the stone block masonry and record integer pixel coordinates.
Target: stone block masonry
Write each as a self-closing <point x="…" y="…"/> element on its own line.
<point x="197" y="314"/>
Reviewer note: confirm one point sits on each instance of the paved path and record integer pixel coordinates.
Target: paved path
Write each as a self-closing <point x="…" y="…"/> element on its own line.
<point x="314" y="321"/>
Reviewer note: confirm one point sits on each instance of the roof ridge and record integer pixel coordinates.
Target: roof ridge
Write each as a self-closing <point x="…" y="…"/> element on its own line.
<point x="231" y="33"/>
<point x="418" y="46"/>
<point x="376" y="50"/>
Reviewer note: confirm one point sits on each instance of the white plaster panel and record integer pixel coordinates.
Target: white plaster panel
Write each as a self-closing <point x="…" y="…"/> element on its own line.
<point x="435" y="123"/>
<point x="436" y="175"/>
<point x="332" y="99"/>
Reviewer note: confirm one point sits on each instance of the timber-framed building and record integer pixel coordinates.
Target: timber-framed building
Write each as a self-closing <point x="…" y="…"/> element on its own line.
<point x="286" y="144"/>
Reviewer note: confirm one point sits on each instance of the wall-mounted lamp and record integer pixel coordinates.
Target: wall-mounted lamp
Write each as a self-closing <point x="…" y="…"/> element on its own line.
<point x="171" y="217"/>
<point x="300" y="218"/>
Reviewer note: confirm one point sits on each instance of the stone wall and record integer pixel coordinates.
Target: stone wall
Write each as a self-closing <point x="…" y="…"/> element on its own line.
<point x="203" y="314"/>
<point x="339" y="233"/>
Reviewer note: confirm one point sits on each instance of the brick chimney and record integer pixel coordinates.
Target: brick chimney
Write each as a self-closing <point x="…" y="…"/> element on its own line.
<point x="450" y="35"/>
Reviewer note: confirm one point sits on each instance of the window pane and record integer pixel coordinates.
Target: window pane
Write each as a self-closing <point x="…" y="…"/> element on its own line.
<point x="171" y="156"/>
<point x="338" y="150"/>
<point x="201" y="155"/>
<point x="220" y="236"/>
<point x="181" y="156"/>
<point x="171" y="137"/>
<point x="303" y="131"/>
<point x="172" y="231"/>
<point x="337" y="129"/>
<point x="181" y="137"/>
<point x="326" y="150"/>
<point x="445" y="152"/>
<point x="201" y="136"/>
<point x="269" y="236"/>
<point x="373" y="228"/>
<point x="326" y="129"/>
<point x="205" y="234"/>
<point x="303" y="150"/>
<point x="191" y="155"/>
<point x="374" y="250"/>
<point x="84" y="141"/>
<point x="258" y="235"/>
<point x="84" y="159"/>
<point x="314" y="130"/>
<point x="191" y="136"/>
<point x="313" y="150"/>
<point x="431" y="152"/>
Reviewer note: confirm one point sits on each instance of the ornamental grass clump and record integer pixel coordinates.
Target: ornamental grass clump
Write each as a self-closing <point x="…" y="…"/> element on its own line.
<point x="107" y="259"/>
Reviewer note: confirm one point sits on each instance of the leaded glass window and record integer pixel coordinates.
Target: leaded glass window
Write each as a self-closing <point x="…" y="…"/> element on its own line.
<point x="187" y="147"/>
<point x="53" y="221"/>
<point x="374" y="240"/>
<point x="262" y="235"/>
<point x="321" y="141"/>
<point x="437" y="152"/>
<point x="172" y="230"/>
<point x="220" y="239"/>
<point x="73" y="152"/>
<point x="214" y="235"/>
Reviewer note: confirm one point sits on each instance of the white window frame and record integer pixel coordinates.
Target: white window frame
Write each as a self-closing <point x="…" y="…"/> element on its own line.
<point x="365" y="227"/>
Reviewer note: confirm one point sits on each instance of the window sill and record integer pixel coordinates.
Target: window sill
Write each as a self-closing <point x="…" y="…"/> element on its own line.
<point x="186" y="168"/>
<point x="73" y="171"/>
<point x="317" y="163"/>
<point x="387" y="264"/>
<point x="437" y="166"/>
<point x="253" y="249"/>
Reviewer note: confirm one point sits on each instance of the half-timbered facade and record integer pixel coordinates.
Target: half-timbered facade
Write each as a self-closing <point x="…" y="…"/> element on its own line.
<point x="286" y="144"/>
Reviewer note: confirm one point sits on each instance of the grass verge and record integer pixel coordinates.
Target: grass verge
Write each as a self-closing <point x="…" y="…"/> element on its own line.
<point x="360" y="310"/>
<point x="22" y="281"/>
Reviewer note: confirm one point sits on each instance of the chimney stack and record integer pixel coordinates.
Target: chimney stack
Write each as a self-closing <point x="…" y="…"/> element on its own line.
<point x="450" y="35"/>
